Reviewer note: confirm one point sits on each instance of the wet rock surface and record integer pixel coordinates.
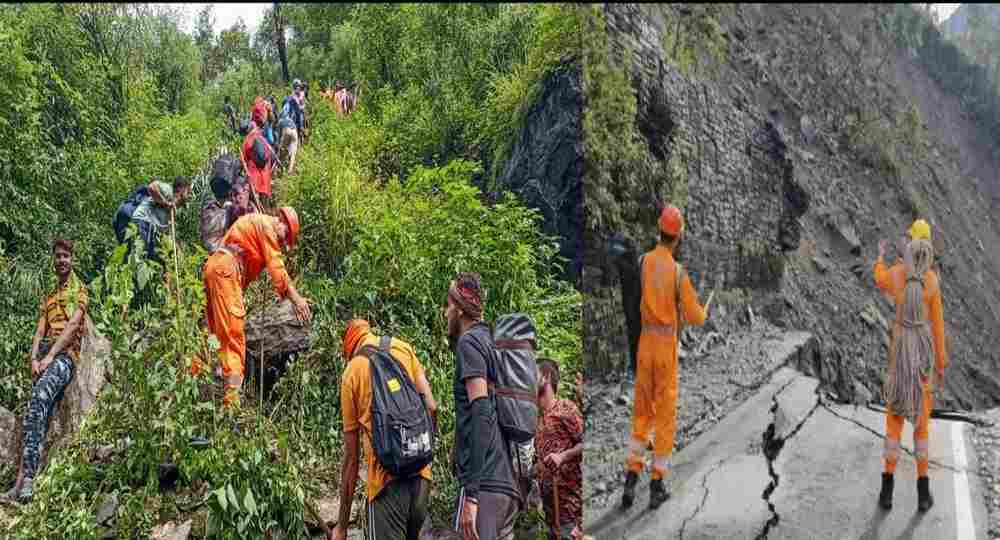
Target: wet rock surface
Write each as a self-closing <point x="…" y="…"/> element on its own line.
<point x="545" y="165"/>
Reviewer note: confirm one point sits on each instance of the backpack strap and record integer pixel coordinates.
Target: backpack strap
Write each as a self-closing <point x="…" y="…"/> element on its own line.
<point x="511" y="344"/>
<point x="385" y="345"/>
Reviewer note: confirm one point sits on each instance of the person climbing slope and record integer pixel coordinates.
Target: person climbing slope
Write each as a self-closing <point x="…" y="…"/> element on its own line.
<point x="917" y="352"/>
<point x="54" y="352"/>
<point x="151" y="215"/>
<point x="257" y="154"/>
<point x="397" y="506"/>
<point x="664" y="283"/>
<point x="559" y="447"/>
<point x="251" y="244"/>
<point x="488" y="498"/>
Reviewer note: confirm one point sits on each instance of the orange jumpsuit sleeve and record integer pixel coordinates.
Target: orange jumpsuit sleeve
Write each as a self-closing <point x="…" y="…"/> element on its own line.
<point x="936" y="316"/>
<point x="694" y="313"/>
<point x="883" y="278"/>
<point x="275" y="262"/>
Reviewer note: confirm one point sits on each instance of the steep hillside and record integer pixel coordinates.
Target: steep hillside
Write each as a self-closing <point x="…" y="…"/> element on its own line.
<point x="809" y="136"/>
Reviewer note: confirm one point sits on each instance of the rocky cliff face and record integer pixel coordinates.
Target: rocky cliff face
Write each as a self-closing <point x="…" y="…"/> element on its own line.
<point x="784" y="207"/>
<point x="545" y="167"/>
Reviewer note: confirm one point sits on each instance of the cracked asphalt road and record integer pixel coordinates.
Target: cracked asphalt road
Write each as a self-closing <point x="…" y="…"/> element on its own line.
<point x="786" y="465"/>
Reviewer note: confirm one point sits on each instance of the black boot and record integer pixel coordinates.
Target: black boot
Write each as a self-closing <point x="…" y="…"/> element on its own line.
<point x="885" y="497"/>
<point x="631" y="479"/>
<point x="924" y="499"/>
<point x="657" y="494"/>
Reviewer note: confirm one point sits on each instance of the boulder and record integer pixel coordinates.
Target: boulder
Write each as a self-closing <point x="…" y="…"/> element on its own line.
<point x="277" y="332"/>
<point x="171" y="531"/>
<point x="8" y="436"/>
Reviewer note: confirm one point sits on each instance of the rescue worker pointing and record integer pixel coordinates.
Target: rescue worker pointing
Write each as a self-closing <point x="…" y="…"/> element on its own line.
<point x="253" y="242"/>
<point x="664" y="282"/>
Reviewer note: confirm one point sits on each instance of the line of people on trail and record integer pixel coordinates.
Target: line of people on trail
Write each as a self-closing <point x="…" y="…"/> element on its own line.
<point x="509" y="428"/>
<point x="241" y="240"/>
<point x="917" y="355"/>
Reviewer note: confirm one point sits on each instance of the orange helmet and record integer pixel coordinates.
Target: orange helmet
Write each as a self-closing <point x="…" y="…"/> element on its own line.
<point x="292" y="219"/>
<point x="357" y="329"/>
<point x="671" y="221"/>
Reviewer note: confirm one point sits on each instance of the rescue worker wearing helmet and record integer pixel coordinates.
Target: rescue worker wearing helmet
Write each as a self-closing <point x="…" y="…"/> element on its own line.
<point x="917" y="355"/>
<point x="254" y="242"/>
<point x="664" y="282"/>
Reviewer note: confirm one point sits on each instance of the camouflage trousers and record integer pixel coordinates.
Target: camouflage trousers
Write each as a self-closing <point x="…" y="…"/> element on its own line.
<point x="45" y="395"/>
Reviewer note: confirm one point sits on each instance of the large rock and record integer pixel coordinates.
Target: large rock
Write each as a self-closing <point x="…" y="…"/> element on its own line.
<point x="8" y="436"/>
<point x="545" y="165"/>
<point x="172" y="531"/>
<point x="277" y="332"/>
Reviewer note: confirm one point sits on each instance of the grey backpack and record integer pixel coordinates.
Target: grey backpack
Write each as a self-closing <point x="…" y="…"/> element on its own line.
<point x="514" y="380"/>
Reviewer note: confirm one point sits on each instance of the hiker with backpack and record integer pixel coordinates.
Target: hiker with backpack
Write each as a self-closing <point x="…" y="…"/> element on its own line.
<point x="228" y="201"/>
<point x="54" y="351"/>
<point x="559" y="457"/>
<point x="257" y="155"/>
<point x="488" y="499"/>
<point x="150" y="208"/>
<point x="288" y="140"/>
<point x="254" y="242"/>
<point x="917" y="355"/>
<point x="668" y="300"/>
<point x="386" y="400"/>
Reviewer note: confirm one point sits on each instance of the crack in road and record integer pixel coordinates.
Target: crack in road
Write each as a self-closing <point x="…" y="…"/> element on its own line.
<point x="903" y="448"/>
<point x="704" y="498"/>
<point x="772" y="448"/>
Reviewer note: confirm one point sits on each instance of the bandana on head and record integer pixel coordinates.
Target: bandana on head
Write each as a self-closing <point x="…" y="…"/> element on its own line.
<point x="466" y="292"/>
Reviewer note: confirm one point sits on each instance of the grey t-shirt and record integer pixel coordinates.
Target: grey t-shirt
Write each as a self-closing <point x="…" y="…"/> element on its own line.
<point x="152" y="213"/>
<point x="473" y="352"/>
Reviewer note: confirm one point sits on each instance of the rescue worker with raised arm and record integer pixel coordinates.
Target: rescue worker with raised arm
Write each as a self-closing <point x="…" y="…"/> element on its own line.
<point x="917" y="352"/>
<point x="663" y="282"/>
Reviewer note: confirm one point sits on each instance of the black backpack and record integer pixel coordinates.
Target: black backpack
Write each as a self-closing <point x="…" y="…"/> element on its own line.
<point x="225" y="171"/>
<point x="126" y="209"/>
<point x="514" y="377"/>
<point x="402" y="430"/>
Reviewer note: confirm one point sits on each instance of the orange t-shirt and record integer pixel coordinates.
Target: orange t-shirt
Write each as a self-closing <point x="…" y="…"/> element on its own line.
<point x="356" y="404"/>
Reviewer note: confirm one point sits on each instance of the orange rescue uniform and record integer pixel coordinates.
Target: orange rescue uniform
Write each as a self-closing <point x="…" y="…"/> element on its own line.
<point x="250" y="245"/>
<point x="656" y="370"/>
<point x="892" y="281"/>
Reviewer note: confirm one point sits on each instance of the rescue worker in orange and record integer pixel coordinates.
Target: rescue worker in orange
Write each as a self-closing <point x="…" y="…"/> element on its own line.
<point x="917" y="352"/>
<point x="253" y="242"/>
<point x="663" y="281"/>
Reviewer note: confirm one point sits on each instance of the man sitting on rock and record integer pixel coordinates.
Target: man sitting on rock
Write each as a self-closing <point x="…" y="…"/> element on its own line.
<point x="54" y="350"/>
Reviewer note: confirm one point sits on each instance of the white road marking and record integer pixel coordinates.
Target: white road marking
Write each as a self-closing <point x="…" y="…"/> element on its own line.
<point x="965" y="528"/>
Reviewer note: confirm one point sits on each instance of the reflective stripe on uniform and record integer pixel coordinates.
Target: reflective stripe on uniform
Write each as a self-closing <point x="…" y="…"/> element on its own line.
<point x="891" y="450"/>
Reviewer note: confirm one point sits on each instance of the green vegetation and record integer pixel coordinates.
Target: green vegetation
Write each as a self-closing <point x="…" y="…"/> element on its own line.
<point x="101" y="99"/>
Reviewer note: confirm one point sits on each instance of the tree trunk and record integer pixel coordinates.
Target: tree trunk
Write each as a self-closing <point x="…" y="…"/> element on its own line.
<point x="279" y="30"/>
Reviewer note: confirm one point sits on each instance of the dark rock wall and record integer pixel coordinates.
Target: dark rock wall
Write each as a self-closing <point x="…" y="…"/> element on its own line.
<point x="545" y="167"/>
<point x="742" y="204"/>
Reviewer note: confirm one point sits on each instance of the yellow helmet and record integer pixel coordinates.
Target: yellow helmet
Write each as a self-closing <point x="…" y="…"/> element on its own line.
<point x="920" y="230"/>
